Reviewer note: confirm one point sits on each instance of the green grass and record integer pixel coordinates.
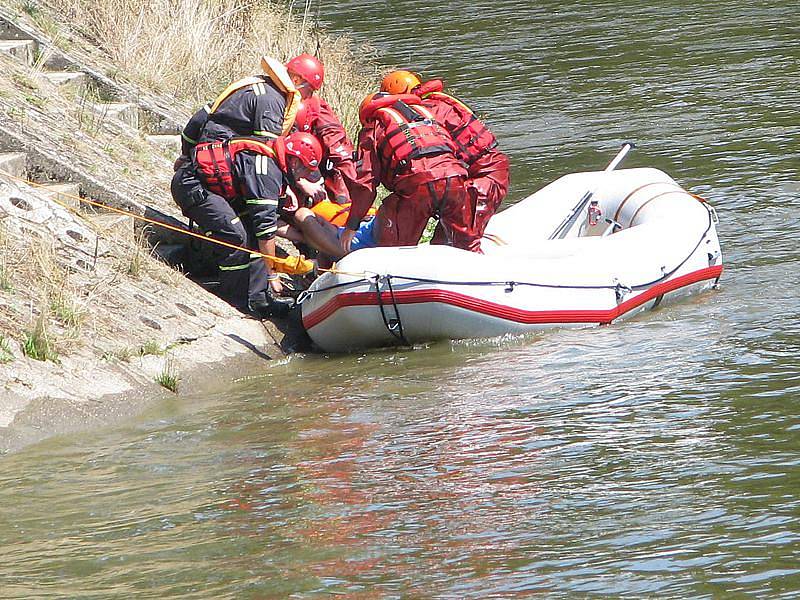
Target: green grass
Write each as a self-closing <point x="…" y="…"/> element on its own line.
<point x="36" y="344"/>
<point x="5" y="280"/>
<point x="151" y="347"/>
<point x="168" y="378"/>
<point x="65" y="311"/>
<point x="24" y="81"/>
<point x="36" y="101"/>
<point x="123" y="354"/>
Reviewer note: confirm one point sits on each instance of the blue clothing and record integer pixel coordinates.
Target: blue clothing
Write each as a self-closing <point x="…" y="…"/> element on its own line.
<point x="364" y="235"/>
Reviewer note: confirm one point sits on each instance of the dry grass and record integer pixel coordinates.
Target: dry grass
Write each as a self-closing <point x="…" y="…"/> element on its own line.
<point x="6" y="284"/>
<point x="191" y="49"/>
<point x="6" y="355"/>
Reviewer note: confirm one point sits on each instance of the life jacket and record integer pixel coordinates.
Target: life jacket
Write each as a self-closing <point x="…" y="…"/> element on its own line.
<point x="472" y="138"/>
<point x="336" y="214"/>
<point x="411" y="131"/>
<point x="275" y="72"/>
<point x="214" y="161"/>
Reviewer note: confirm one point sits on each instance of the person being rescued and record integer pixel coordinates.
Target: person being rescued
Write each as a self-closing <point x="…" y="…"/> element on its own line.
<point x="244" y="176"/>
<point x="315" y="116"/>
<point x="403" y="147"/>
<point x="322" y="226"/>
<point x="476" y="146"/>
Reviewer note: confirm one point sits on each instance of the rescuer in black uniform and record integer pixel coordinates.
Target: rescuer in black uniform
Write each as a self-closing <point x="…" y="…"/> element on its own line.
<point x="244" y="212"/>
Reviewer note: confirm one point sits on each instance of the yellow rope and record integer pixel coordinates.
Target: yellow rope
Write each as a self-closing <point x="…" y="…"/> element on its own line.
<point x="291" y="262"/>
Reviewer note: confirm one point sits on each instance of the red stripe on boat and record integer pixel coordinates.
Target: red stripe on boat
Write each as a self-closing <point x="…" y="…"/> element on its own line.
<point x="502" y="311"/>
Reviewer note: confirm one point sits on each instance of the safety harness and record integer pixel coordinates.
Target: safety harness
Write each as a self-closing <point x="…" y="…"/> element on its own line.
<point x="411" y="131"/>
<point x="214" y="162"/>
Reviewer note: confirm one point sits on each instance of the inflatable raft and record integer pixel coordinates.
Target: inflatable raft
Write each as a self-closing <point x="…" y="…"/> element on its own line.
<point x="560" y="258"/>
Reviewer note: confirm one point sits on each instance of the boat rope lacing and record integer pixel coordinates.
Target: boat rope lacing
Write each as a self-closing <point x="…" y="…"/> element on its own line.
<point x="620" y="290"/>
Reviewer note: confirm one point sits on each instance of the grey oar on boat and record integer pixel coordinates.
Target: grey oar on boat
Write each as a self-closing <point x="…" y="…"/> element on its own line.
<point x="562" y="230"/>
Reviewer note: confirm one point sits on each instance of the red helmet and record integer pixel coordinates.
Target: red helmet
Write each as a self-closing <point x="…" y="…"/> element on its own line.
<point x="304" y="146"/>
<point x="309" y="68"/>
<point x="307" y="113"/>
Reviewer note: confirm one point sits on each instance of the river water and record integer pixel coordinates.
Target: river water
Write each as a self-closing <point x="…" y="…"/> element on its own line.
<point x="658" y="457"/>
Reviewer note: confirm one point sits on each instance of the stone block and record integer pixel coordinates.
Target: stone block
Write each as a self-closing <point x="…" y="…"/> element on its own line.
<point x="167" y="142"/>
<point x="14" y="164"/>
<point x="67" y="194"/>
<point x="63" y="79"/>
<point x="22" y="50"/>
<point x="123" y="111"/>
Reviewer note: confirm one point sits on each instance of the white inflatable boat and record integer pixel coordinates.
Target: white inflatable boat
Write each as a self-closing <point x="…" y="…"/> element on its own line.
<point x="561" y="257"/>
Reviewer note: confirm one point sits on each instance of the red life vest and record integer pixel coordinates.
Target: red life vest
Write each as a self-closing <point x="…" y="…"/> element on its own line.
<point x="410" y="131"/>
<point x="472" y="138"/>
<point x="214" y="161"/>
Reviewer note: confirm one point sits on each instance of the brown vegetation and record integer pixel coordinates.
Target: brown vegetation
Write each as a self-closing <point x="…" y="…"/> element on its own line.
<point x="194" y="48"/>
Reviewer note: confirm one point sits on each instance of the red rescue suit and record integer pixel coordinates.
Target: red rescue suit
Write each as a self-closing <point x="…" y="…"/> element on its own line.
<point x="337" y="165"/>
<point x="402" y="147"/>
<point x="476" y="146"/>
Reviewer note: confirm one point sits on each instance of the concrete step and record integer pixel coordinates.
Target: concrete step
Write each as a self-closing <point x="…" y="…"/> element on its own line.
<point x="63" y="193"/>
<point x="171" y="143"/>
<point x="22" y="50"/>
<point x="123" y="111"/>
<point x="14" y="164"/>
<point x="63" y="79"/>
<point x="113" y="224"/>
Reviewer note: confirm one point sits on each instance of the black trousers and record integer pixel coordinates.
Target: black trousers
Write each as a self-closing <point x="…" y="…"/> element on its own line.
<point x="242" y="276"/>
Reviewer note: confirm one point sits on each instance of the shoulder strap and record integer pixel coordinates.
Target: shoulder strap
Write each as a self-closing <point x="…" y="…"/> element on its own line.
<point x="277" y="73"/>
<point x="235" y="87"/>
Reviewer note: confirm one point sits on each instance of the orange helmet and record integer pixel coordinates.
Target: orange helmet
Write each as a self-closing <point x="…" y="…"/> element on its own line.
<point x="304" y="146"/>
<point x="309" y="68"/>
<point x="400" y="82"/>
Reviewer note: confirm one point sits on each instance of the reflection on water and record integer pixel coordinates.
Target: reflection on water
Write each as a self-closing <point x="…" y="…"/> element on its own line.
<point x="657" y="457"/>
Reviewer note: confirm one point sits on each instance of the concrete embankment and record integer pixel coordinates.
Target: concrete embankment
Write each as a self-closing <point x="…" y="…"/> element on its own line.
<point x="94" y="322"/>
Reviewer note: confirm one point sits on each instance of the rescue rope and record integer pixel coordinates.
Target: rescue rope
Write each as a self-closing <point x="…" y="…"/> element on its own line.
<point x="290" y="262"/>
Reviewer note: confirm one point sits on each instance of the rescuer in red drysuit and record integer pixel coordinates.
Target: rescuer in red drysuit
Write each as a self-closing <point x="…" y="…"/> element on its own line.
<point x="316" y="116"/>
<point x="232" y="189"/>
<point x="476" y="146"/>
<point x="402" y="147"/>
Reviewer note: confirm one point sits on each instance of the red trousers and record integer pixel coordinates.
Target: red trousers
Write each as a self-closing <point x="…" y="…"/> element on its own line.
<point x="404" y="214"/>
<point x="487" y="185"/>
